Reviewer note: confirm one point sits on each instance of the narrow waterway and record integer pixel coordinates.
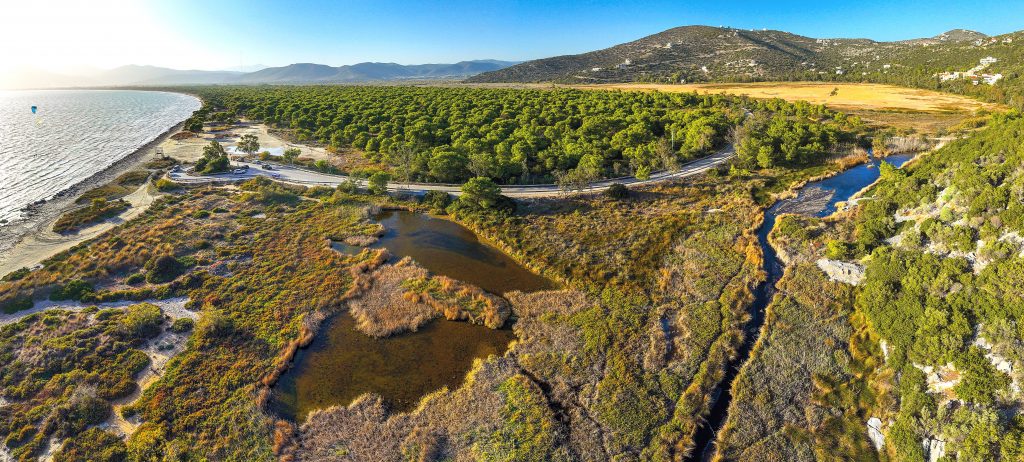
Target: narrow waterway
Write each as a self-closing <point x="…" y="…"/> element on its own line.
<point x="818" y="199"/>
<point x="342" y="363"/>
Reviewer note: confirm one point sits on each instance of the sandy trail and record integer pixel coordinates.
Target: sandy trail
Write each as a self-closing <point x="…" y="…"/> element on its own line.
<point x="159" y="349"/>
<point x="37" y="246"/>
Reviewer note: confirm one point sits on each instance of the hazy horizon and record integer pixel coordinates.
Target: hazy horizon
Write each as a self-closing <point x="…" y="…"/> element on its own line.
<point x="66" y="37"/>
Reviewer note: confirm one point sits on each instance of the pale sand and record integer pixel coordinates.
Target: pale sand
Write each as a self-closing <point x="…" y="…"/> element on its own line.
<point x="160" y="350"/>
<point x="43" y="243"/>
<point x="191" y="149"/>
<point x="38" y="242"/>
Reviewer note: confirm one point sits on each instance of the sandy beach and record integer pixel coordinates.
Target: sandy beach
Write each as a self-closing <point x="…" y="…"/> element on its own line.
<point x="28" y="242"/>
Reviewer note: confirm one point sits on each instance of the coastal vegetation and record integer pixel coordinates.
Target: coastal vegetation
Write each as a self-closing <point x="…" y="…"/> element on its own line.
<point x="62" y="369"/>
<point x="98" y="210"/>
<point x="620" y="364"/>
<point x="120" y="187"/>
<point x="449" y="135"/>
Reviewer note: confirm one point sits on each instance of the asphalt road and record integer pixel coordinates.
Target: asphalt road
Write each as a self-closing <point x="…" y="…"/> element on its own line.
<point x="292" y="174"/>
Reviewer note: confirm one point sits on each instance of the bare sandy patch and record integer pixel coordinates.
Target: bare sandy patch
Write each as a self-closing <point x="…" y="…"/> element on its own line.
<point x="44" y="243"/>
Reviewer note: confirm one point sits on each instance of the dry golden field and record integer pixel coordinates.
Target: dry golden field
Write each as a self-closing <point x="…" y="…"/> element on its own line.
<point x="847" y="95"/>
<point x="884" y="105"/>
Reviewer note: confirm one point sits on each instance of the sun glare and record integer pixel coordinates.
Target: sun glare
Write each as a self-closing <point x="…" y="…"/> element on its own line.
<point x="63" y="35"/>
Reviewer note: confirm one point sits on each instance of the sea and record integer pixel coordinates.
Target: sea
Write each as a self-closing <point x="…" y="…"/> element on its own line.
<point x="71" y="135"/>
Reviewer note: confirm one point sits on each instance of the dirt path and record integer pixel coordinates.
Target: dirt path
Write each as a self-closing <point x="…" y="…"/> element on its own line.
<point x="160" y="350"/>
<point x="43" y="243"/>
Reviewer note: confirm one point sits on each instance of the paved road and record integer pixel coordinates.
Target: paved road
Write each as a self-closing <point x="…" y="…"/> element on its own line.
<point x="291" y="174"/>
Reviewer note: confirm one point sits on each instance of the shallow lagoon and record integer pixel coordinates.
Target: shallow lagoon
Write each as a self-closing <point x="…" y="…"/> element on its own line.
<point x="343" y="363"/>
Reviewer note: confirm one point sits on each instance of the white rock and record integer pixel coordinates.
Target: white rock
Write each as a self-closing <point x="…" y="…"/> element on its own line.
<point x="841" y="271"/>
<point x="935" y="449"/>
<point x="875" y="433"/>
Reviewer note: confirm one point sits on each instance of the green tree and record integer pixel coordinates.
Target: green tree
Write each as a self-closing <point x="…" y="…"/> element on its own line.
<point x="214" y="159"/>
<point x="378" y="183"/>
<point x="448" y="166"/>
<point x="291" y="154"/>
<point x="480" y="193"/>
<point x="249" y="144"/>
<point x="643" y="172"/>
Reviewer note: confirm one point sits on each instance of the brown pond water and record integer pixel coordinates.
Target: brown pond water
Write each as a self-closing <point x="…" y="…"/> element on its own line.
<point x="343" y="363"/>
<point x="447" y="248"/>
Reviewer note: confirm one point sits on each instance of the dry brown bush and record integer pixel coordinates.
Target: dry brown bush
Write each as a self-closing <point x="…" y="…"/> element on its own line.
<point x="382" y="309"/>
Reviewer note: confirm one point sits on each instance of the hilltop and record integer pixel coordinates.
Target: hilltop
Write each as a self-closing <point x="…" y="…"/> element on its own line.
<point x="694" y="54"/>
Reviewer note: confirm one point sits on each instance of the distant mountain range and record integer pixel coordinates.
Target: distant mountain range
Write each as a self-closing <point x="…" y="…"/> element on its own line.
<point x="706" y="54"/>
<point x="303" y="73"/>
<point x="370" y="72"/>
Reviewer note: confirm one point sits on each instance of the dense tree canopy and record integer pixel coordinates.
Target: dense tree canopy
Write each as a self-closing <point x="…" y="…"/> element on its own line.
<point x="529" y="136"/>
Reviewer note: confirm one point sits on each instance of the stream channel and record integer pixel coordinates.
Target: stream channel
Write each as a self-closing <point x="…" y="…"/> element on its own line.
<point x="817" y="198"/>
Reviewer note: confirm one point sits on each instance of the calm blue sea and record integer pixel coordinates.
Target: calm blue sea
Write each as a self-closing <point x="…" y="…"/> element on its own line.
<point x="72" y="135"/>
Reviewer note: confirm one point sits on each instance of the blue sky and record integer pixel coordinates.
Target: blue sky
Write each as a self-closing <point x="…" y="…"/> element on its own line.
<point x="209" y="34"/>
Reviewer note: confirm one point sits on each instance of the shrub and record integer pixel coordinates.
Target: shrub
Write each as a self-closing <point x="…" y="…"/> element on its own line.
<point x="182" y="325"/>
<point x="319" y="191"/>
<point x="93" y="444"/>
<point x="837" y="250"/>
<point x="617" y="191"/>
<point x="164" y="269"/>
<point x="213" y="325"/>
<point x="201" y="214"/>
<point x="137" y="278"/>
<point x="161" y="163"/>
<point x="349" y="186"/>
<point x="16" y="275"/>
<point x="100" y="209"/>
<point x="163" y="184"/>
<point x="437" y="200"/>
<point x="81" y="411"/>
<point x="73" y="290"/>
<point x="147" y="443"/>
<point x="141" y="321"/>
<point x="16" y="304"/>
<point x="323" y="166"/>
<point x="643" y="172"/>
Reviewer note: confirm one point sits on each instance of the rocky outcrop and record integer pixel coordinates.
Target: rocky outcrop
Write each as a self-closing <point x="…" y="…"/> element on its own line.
<point x="841" y="271"/>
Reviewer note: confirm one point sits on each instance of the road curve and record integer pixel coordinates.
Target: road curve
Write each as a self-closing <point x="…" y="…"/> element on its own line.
<point x="295" y="175"/>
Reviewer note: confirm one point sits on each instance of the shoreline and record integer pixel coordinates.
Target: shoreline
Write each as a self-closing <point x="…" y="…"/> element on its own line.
<point x="40" y="218"/>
